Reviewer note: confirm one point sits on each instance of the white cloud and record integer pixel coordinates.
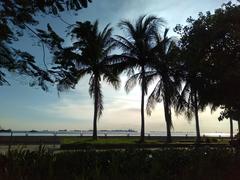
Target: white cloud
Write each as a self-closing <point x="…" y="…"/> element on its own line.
<point x="122" y="111"/>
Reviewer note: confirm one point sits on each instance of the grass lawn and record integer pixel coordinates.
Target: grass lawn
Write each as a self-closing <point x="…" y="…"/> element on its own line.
<point x="89" y="140"/>
<point x="135" y="140"/>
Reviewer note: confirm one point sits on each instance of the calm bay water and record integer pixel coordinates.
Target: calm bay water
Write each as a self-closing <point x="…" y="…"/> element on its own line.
<point x="107" y="133"/>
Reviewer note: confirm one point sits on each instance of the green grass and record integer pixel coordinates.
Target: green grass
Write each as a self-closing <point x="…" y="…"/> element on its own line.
<point x="89" y="140"/>
<point x="135" y="140"/>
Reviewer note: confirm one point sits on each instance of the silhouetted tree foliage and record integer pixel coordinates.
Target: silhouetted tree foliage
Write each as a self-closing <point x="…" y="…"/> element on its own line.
<point x="16" y="16"/>
<point x="211" y="51"/>
<point x="18" y="13"/>
<point x="90" y="55"/>
<point x="192" y="56"/>
<point x="165" y="69"/>
<point x="136" y="47"/>
<point x="207" y="58"/>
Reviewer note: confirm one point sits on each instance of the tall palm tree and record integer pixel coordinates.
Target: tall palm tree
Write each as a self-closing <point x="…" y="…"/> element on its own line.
<point x="190" y="100"/>
<point x="136" y="46"/>
<point x="164" y="69"/>
<point x="90" y="55"/>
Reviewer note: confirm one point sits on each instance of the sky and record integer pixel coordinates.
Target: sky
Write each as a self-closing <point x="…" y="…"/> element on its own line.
<point x="26" y="108"/>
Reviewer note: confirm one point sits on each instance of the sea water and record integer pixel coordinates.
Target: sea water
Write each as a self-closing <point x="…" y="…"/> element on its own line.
<point x="109" y="133"/>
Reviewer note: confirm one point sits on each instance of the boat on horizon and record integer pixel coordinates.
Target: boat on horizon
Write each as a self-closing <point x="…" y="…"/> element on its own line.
<point x="5" y="130"/>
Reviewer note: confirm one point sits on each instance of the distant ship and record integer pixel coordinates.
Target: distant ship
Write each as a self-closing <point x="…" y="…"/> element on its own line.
<point x="33" y="131"/>
<point x="5" y="130"/>
<point x="62" y="130"/>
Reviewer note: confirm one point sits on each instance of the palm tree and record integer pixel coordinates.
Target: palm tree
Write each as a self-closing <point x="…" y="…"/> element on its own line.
<point x="231" y="113"/>
<point x="90" y="55"/>
<point x="136" y="48"/>
<point x="169" y="83"/>
<point x="190" y="100"/>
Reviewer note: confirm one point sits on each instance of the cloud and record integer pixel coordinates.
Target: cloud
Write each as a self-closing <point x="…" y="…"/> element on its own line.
<point x="133" y="110"/>
<point x="121" y="113"/>
<point x="67" y="108"/>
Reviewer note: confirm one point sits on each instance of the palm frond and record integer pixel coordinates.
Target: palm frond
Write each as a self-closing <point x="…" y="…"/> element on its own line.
<point x="127" y="25"/>
<point x="123" y="63"/>
<point x="132" y="82"/>
<point x="106" y="35"/>
<point x="152" y="25"/>
<point x="188" y="114"/>
<point x="112" y="78"/>
<point x="109" y="48"/>
<point x="95" y="27"/>
<point x="150" y="77"/>
<point x="125" y="44"/>
<point x="7" y="59"/>
<point x="140" y="23"/>
<point x="3" y="81"/>
<point x="67" y="82"/>
<point x="154" y="98"/>
<point x="165" y="33"/>
<point x="106" y="31"/>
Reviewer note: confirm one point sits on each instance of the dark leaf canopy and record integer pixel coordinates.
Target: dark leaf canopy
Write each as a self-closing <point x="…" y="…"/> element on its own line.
<point x="211" y="50"/>
<point x="15" y="18"/>
<point x="22" y="63"/>
<point x="17" y="13"/>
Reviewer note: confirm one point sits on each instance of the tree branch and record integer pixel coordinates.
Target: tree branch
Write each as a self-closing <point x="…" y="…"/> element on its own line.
<point x="43" y="46"/>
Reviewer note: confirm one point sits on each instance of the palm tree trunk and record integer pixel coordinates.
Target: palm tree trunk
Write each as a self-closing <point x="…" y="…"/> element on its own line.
<point x="142" y="107"/>
<point x="198" y="136"/>
<point x="142" y="117"/>
<point x="168" y="120"/>
<point x="95" y="121"/>
<point x="95" y="111"/>
<point x="231" y="129"/>
<point x="238" y="127"/>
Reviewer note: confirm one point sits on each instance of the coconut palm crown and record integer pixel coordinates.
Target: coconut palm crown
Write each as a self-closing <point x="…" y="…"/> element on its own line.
<point x="136" y="46"/>
<point x="89" y="55"/>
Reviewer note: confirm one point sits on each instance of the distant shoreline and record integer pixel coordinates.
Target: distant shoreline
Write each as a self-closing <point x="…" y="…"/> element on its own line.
<point x="108" y="133"/>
